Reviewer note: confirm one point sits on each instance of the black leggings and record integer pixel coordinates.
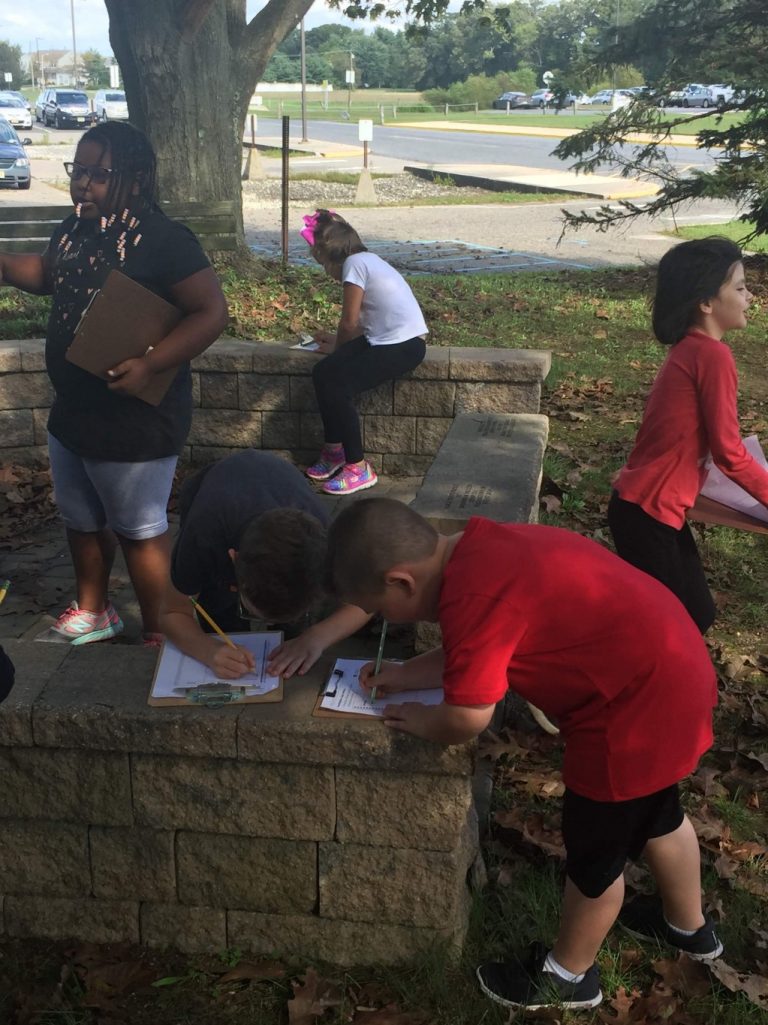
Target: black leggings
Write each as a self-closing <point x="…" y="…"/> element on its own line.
<point x="355" y="367"/>
<point x="668" y="554"/>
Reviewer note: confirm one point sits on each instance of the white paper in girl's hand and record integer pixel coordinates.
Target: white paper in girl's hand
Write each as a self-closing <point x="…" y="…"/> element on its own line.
<point x="722" y="489"/>
<point x="343" y="692"/>
<point x="306" y="342"/>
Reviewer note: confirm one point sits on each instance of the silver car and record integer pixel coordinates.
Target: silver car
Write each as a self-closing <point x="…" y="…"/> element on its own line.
<point x="110" y="105"/>
<point x="14" y="163"/>
<point x="14" y="111"/>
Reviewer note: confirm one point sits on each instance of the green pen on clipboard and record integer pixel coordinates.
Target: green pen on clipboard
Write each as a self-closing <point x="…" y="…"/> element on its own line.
<point x="379" y="656"/>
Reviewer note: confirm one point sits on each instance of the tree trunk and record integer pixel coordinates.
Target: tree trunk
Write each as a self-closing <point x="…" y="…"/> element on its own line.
<point x="190" y="68"/>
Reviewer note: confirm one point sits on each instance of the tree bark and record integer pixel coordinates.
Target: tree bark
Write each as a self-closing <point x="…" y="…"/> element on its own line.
<point x="189" y="69"/>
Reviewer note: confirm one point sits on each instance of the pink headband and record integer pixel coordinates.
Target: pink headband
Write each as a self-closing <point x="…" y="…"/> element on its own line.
<point x="310" y="225"/>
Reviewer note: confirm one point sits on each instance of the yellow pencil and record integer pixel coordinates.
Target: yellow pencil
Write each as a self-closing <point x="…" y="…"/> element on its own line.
<point x="4" y="590"/>
<point x="199" y="608"/>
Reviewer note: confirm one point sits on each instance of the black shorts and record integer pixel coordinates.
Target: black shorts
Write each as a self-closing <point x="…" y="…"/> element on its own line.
<point x="666" y="553"/>
<point x="599" y="836"/>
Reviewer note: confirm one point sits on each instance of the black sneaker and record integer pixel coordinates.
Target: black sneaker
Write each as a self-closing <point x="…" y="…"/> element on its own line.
<point x="515" y="984"/>
<point x="643" y="918"/>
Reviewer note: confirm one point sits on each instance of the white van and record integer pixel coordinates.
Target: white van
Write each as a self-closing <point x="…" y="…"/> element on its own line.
<point x="110" y="105"/>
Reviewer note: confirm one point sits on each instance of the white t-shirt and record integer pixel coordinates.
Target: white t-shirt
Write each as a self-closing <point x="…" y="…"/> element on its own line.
<point x="389" y="313"/>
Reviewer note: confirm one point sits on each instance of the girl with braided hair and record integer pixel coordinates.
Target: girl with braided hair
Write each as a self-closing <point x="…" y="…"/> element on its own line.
<point x="380" y="337"/>
<point x="112" y="455"/>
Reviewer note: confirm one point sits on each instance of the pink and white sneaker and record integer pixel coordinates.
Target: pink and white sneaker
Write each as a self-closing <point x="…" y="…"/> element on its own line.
<point x="330" y="460"/>
<point x="351" y="478"/>
<point x="78" y="626"/>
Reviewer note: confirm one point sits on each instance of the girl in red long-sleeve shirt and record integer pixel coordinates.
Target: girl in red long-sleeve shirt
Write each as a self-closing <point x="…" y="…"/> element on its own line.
<point x="691" y="414"/>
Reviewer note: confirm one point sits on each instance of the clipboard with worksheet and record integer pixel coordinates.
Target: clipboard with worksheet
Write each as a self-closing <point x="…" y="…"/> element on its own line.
<point x="343" y="697"/>
<point x="123" y="321"/>
<point x="182" y="680"/>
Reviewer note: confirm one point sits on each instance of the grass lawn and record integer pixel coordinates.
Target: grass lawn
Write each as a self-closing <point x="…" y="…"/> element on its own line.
<point x="604" y="359"/>
<point x="414" y="109"/>
<point x="734" y="230"/>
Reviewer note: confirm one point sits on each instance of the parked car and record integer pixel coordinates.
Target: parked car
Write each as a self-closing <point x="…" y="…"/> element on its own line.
<point x="511" y="99"/>
<point x="38" y="108"/>
<point x="110" y="105"/>
<point x="14" y="111"/>
<point x="722" y="93"/>
<point x="14" y="162"/>
<point x="19" y="96"/>
<point x="542" y="98"/>
<point x="66" y="108"/>
<point x="567" y="99"/>
<point x="692" y="95"/>
<point x="606" y="95"/>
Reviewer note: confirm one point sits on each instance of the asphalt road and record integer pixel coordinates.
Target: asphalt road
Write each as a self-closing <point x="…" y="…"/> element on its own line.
<point x="421" y="145"/>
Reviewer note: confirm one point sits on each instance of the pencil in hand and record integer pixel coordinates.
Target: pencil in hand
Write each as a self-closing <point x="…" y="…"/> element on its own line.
<point x="379" y="656"/>
<point x="201" y="611"/>
<point x="4" y="590"/>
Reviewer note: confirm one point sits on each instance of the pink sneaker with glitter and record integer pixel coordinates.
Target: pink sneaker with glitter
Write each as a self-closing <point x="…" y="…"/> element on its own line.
<point x="78" y="626"/>
<point x="351" y="478"/>
<point x="329" y="461"/>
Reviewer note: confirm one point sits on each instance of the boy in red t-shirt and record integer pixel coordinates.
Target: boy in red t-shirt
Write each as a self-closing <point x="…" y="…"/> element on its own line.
<point x="607" y="650"/>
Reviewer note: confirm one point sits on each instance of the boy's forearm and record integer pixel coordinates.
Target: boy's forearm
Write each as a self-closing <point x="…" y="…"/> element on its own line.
<point x="442" y="724"/>
<point x="184" y="631"/>
<point x="424" y="672"/>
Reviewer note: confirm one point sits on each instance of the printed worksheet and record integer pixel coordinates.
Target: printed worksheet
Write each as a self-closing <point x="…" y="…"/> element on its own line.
<point x="722" y="489"/>
<point x="343" y="692"/>
<point x="177" y="673"/>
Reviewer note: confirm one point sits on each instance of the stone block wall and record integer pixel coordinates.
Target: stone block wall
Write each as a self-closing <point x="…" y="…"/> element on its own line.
<point x="251" y="395"/>
<point x="259" y="827"/>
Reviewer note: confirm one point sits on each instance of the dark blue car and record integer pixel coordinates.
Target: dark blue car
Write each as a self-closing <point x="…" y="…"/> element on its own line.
<point x="14" y="162"/>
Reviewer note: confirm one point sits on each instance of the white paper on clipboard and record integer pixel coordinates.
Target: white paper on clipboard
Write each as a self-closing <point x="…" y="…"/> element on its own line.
<point x="722" y="489"/>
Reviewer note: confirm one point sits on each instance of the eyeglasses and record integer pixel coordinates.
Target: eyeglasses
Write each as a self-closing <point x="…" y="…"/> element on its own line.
<point x="259" y="623"/>
<point x="98" y="175"/>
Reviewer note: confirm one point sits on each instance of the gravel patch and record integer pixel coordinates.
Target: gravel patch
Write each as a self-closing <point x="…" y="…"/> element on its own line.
<point x="396" y="189"/>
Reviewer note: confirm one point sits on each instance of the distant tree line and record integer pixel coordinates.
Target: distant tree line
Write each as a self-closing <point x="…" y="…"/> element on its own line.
<point x="511" y="46"/>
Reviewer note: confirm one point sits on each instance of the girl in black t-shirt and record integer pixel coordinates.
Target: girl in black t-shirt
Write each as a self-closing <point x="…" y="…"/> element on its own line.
<point x="112" y="454"/>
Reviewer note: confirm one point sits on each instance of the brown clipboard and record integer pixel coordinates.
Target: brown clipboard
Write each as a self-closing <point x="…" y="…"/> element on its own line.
<point x="332" y="713"/>
<point x="706" y="510"/>
<point x="198" y="697"/>
<point x="123" y="321"/>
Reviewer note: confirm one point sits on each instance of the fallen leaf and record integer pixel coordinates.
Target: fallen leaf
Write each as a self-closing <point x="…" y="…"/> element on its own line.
<point x="551" y="503"/>
<point x="621" y="1004"/>
<point x="312" y="996"/>
<point x="249" y="971"/>
<point x="755" y="987"/>
<point x="683" y="975"/>
<point x="761" y="759"/>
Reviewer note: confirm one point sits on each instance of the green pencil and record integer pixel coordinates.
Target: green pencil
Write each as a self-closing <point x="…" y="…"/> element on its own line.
<point x="379" y="656"/>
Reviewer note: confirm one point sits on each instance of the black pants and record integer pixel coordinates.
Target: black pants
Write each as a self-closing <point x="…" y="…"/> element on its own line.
<point x="355" y="367"/>
<point x="7" y="675"/>
<point x="668" y="554"/>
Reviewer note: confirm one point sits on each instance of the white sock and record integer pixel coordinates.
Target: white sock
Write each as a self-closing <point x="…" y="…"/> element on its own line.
<point x="550" y="965"/>
<point x="682" y="932"/>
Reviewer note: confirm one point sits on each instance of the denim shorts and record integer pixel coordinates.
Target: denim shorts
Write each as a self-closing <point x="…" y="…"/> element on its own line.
<point x="131" y="498"/>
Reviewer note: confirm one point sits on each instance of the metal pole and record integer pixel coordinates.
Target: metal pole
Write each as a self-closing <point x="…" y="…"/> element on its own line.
<point x="284" y="191"/>
<point x="304" y="137"/>
<point x="74" y="41"/>
<point x="365" y="154"/>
